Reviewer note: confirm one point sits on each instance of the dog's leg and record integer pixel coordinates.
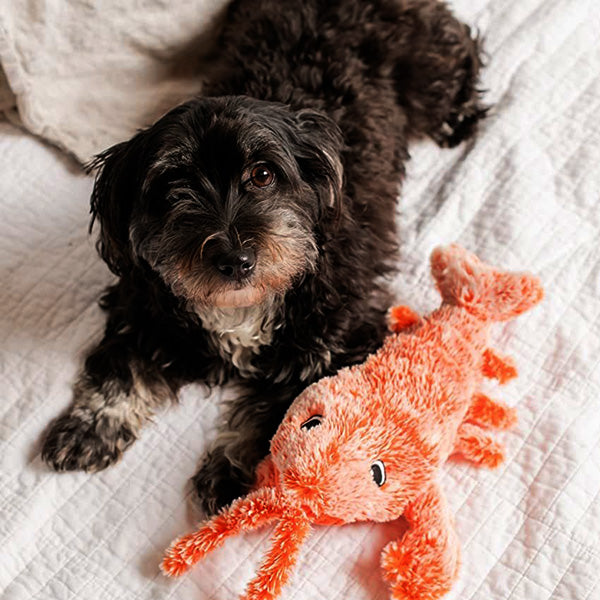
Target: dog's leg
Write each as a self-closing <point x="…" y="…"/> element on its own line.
<point x="115" y="395"/>
<point x="436" y="74"/>
<point x="229" y="468"/>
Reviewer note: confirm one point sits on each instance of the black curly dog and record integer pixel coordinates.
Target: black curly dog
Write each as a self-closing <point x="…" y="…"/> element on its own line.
<point x="251" y="228"/>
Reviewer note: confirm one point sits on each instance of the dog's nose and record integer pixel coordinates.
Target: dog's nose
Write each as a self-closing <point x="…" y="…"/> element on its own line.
<point x="238" y="264"/>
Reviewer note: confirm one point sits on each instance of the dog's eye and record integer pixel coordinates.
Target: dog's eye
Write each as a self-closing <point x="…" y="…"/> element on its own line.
<point x="261" y="176"/>
<point x="378" y="472"/>
<point x="314" y="421"/>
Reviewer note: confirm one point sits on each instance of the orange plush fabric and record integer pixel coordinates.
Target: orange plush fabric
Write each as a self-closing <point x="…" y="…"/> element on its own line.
<point x="367" y="443"/>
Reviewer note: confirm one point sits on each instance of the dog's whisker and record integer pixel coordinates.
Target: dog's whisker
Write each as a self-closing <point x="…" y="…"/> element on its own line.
<point x="237" y="235"/>
<point x="206" y="240"/>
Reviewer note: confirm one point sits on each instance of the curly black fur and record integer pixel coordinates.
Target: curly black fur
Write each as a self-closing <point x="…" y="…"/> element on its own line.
<point x="325" y="95"/>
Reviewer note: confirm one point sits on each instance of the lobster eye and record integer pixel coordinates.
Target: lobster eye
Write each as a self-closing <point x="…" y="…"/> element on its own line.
<point x="378" y="472"/>
<point x="314" y="421"/>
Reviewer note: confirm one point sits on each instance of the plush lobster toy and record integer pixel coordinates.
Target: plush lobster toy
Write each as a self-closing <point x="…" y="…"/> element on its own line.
<point x="367" y="443"/>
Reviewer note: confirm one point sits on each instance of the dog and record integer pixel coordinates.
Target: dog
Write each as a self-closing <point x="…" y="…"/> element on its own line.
<point x="252" y="230"/>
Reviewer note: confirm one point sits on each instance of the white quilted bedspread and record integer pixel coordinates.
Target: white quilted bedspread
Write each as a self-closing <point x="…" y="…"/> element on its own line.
<point x="525" y="195"/>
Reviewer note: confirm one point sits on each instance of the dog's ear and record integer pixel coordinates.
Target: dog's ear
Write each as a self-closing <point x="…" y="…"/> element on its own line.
<point x="319" y="156"/>
<point x="118" y="182"/>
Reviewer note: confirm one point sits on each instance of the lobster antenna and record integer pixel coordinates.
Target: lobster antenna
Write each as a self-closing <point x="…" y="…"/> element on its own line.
<point x="277" y="565"/>
<point x="253" y="511"/>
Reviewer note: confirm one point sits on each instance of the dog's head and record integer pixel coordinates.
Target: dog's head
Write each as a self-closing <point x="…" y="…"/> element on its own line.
<point x="222" y="197"/>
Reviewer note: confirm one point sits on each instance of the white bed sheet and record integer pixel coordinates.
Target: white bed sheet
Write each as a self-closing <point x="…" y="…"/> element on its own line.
<point x="525" y="195"/>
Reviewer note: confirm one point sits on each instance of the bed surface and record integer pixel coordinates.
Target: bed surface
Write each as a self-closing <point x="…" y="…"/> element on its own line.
<point x="525" y="196"/>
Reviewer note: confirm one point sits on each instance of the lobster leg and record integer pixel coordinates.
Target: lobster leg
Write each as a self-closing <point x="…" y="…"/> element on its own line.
<point x="478" y="446"/>
<point x="255" y="510"/>
<point x="287" y="538"/>
<point x="496" y="366"/>
<point x="425" y="562"/>
<point x="486" y="412"/>
<point x="402" y="317"/>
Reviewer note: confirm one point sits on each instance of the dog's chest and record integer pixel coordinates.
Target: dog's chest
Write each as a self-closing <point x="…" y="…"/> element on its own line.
<point x="239" y="333"/>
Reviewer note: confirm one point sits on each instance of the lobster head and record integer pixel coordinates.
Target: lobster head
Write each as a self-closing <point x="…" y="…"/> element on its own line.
<point x="342" y="456"/>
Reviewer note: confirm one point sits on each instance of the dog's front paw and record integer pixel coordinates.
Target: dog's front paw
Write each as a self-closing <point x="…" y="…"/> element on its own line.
<point x="217" y="483"/>
<point x="85" y="442"/>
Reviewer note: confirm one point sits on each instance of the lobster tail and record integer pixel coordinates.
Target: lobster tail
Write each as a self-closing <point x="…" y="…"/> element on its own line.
<point x="486" y="292"/>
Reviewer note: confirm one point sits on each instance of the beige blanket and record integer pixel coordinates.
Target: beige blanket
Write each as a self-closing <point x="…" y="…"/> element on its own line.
<point x="85" y="74"/>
